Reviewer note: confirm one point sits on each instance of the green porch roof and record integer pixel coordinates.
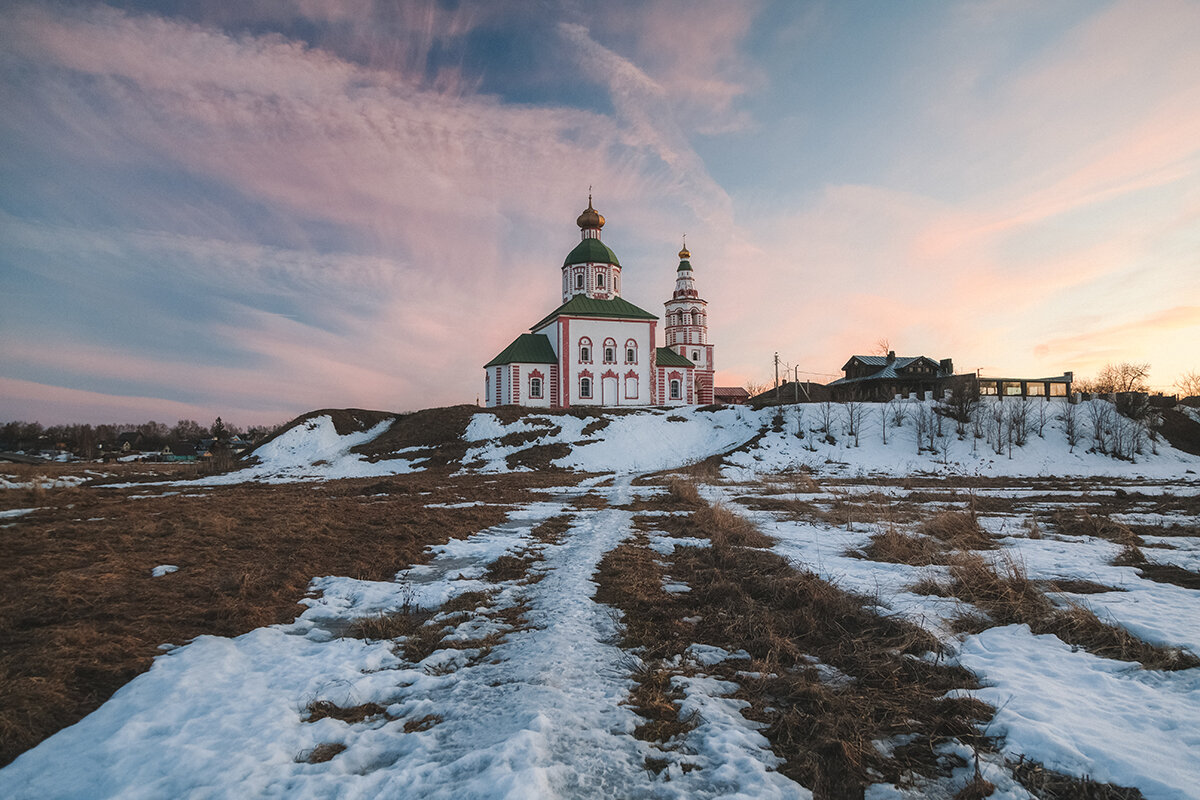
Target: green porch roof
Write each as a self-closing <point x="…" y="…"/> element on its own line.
<point x="583" y="306"/>
<point x="593" y="251"/>
<point x="529" y="348"/>
<point x="666" y="357"/>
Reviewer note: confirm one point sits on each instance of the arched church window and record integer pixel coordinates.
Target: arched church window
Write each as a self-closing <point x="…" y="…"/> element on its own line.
<point x="585" y="350"/>
<point x="610" y="351"/>
<point x="675" y="394"/>
<point x="585" y="387"/>
<point x="599" y="280"/>
<point x="535" y="387"/>
<point x="695" y="355"/>
<point x="631" y="352"/>
<point x="579" y="281"/>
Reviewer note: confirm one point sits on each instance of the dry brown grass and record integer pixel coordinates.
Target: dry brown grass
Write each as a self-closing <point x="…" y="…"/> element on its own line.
<point x="977" y="789"/>
<point x="1081" y="522"/>
<point x="1050" y="785"/>
<point x="1003" y="591"/>
<point x="80" y="615"/>
<point x="539" y="458"/>
<point x="322" y="709"/>
<point x="1077" y="586"/>
<point x="959" y="530"/>
<point x="512" y="567"/>
<point x="381" y="627"/>
<point x="423" y="724"/>
<point x="753" y="600"/>
<point x="589" y="500"/>
<point x="726" y="529"/>
<point x="1132" y="556"/>
<point x="321" y="753"/>
<point x="684" y="492"/>
<point x="552" y="530"/>
<point x="893" y="546"/>
<point x="790" y="507"/>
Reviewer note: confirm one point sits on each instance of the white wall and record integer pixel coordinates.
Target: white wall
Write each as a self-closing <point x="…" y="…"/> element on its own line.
<point x="597" y="331"/>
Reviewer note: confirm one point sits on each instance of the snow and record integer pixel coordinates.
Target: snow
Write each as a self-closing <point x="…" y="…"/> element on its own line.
<point x="540" y="715"/>
<point x="163" y="569"/>
<point x="1085" y="715"/>
<point x="538" y="709"/>
<point x="13" y="513"/>
<point x="44" y="481"/>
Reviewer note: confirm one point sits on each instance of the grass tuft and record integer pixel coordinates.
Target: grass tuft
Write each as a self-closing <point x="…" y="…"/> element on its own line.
<point x="959" y="530"/>
<point x="322" y="709"/>
<point x="897" y="547"/>
<point x="321" y="753"/>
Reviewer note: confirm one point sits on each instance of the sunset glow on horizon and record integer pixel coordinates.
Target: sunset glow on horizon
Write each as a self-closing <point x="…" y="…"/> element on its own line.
<point x="256" y="209"/>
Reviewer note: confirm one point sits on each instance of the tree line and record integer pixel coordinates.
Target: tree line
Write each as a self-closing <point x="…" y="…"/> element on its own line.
<point x="90" y="441"/>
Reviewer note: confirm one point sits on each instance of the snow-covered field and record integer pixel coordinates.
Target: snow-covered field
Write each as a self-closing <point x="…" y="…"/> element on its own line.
<point x="523" y="690"/>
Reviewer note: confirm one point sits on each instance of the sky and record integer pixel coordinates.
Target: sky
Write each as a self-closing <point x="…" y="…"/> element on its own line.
<point x="260" y="208"/>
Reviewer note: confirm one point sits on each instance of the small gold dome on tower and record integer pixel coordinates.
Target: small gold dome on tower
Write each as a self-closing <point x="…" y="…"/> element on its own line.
<point x="590" y="218"/>
<point x="684" y="255"/>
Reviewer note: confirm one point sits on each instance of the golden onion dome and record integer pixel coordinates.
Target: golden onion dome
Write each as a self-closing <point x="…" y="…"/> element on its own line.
<point x="684" y="255"/>
<point x="590" y="218"/>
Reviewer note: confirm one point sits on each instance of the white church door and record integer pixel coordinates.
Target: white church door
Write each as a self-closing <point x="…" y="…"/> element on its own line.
<point x="608" y="391"/>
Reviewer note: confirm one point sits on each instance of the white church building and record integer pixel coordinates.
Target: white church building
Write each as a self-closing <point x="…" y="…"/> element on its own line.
<point x="598" y="349"/>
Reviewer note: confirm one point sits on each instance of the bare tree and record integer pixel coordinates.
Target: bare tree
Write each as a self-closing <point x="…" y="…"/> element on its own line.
<point x="960" y="404"/>
<point x="1100" y="415"/>
<point x="1128" y="376"/>
<point x="899" y="411"/>
<point x="856" y="413"/>
<point x="923" y="424"/>
<point x="1070" y="419"/>
<point x="883" y="346"/>
<point x="798" y="412"/>
<point x="1188" y="384"/>
<point x="825" y="416"/>
<point x="1018" y="423"/>
<point x="754" y="388"/>
<point x="1042" y="417"/>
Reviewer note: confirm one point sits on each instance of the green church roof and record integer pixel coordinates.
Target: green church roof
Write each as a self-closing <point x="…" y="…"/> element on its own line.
<point x="666" y="357"/>
<point x="529" y="348"/>
<point x="583" y="306"/>
<point x="591" y="251"/>
<point x="685" y="264"/>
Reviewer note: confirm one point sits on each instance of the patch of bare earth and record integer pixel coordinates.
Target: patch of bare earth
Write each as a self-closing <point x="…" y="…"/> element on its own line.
<point x="80" y="614"/>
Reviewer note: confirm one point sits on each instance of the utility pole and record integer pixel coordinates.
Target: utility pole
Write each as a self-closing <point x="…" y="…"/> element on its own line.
<point x="776" y="377"/>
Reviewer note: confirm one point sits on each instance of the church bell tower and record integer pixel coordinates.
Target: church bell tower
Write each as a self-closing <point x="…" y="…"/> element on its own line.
<point x="687" y="327"/>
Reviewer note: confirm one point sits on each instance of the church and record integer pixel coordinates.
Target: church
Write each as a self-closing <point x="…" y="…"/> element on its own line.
<point x="598" y="349"/>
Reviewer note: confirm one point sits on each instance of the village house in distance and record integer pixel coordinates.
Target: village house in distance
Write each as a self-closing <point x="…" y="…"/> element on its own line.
<point x="598" y="349"/>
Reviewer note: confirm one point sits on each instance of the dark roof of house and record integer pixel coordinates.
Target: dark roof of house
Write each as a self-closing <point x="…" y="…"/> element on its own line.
<point x="730" y="391"/>
<point x="666" y="357"/>
<point x="583" y="306"/>
<point x="591" y="251"/>
<point x="528" y="348"/>
<point x="889" y="369"/>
